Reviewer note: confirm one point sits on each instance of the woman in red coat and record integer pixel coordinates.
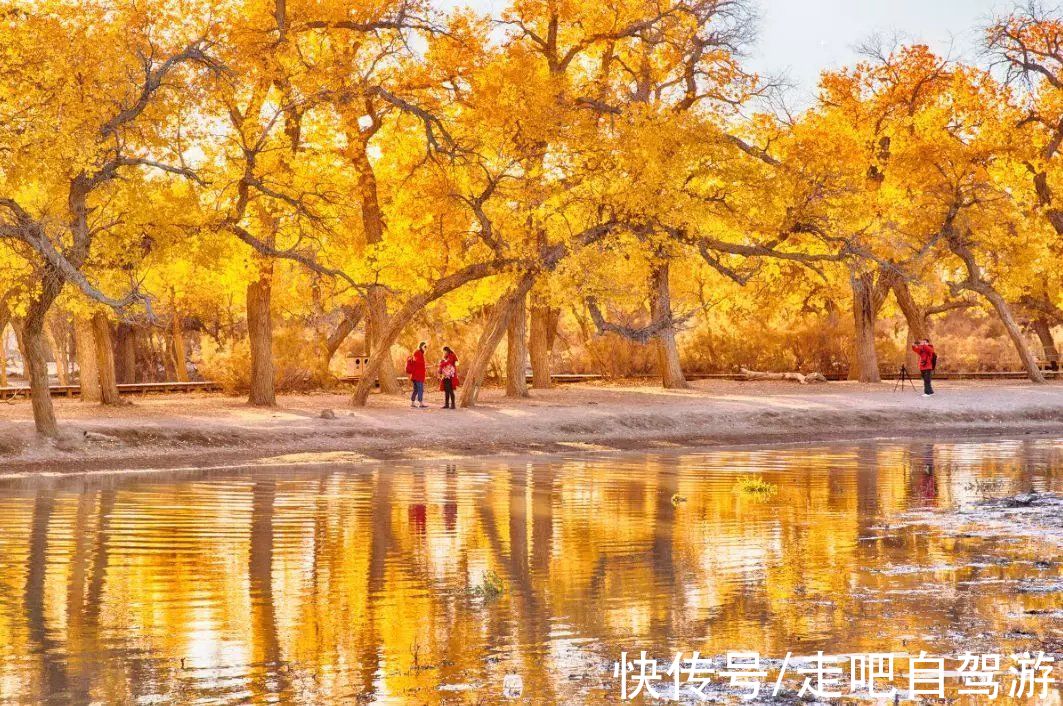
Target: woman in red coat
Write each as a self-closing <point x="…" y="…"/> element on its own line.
<point x="448" y="377"/>
<point x="415" y="368"/>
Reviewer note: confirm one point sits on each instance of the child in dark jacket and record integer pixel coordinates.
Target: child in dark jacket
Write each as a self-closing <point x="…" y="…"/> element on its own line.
<point x="448" y="377"/>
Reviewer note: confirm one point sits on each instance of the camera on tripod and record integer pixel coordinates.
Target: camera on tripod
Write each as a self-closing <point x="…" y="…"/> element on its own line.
<point x="904" y="376"/>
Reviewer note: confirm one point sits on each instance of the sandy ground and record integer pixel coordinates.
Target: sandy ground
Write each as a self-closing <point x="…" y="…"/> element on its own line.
<point x="192" y="429"/>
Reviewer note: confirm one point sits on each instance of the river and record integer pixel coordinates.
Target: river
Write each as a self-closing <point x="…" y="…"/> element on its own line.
<point x="431" y="582"/>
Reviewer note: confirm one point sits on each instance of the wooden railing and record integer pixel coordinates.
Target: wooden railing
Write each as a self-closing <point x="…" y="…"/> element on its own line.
<point x="142" y="388"/>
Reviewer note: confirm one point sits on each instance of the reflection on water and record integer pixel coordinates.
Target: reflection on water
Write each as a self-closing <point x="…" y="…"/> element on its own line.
<point x="348" y="584"/>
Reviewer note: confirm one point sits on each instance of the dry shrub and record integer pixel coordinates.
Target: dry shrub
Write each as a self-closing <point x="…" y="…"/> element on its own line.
<point x="228" y="364"/>
<point x="975" y="342"/>
<point x="296" y="356"/>
<point x="806" y="346"/>
<point x="295" y="360"/>
<point x="613" y="356"/>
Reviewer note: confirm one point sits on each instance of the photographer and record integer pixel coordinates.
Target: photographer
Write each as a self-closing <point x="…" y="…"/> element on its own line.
<point x="927" y="362"/>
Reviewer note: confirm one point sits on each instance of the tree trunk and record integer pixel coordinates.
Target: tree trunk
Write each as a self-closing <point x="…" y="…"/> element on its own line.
<point x="376" y="324"/>
<point x="180" y="359"/>
<point x="915" y="316"/>
<point x="373" y="226"/>
<point x="125" y="353"/>
<point x="975" y="282"/>
<point x="3" y="353"/>
<point x="670" y="368"/>
<point x="53" y="351"/>
<point x="101" y="329"/>
<point x="260" y="336"/>
<point x="517" y="349"/>
<point x="169" y="357"/>
<point x="36" y="364"/>
<point x="1015" y="333"/>
<point x="491" y="337"/>
<point x="1048" y="343"/>
<point x="88" y="371"/>
<point x="352" y="316"/>
<point x="58" y="353"/>
<point x="1045" y="198"/>
<point x="148" y="364"/>
<point x="865" y="356"/>
<point x="20" y="343"/>
<point x="543" y="321"/>
<point x="35" y="356"/>
<point x="797" y="377"/>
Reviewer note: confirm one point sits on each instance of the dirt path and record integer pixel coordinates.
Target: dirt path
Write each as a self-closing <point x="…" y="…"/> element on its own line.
<point x="159" y="430"/>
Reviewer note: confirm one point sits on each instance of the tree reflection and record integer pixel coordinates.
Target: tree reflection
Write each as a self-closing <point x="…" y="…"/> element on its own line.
<point x="358" y="584"/>
<point x="268" y="670"/>
<point x="43" y="642"/>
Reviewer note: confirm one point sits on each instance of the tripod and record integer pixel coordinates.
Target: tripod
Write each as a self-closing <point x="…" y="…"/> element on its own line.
<point x="901" y="378"/>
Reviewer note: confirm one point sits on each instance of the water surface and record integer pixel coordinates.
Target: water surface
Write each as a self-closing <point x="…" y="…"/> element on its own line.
<point x="428" y="583"/>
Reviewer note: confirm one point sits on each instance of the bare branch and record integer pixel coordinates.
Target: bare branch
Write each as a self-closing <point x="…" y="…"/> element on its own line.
<point x="752" y="150"/>
<point x="170" y="168"/>
<point x="643" y="334"/>
<point x="432" y="124"/>
<point x="153" y="80"/>
<point x="291" y="254"/>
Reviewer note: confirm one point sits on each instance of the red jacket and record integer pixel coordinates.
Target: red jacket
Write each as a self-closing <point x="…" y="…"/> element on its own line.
<point x="449" y="360"/>
<point x="415" y="366"/>
<point x="926" y="355"/>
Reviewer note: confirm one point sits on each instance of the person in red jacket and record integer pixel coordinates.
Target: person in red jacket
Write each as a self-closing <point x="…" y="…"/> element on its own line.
<point x="415" y="368"/>
<point x="448" y="377"/>
<point x="927" y="363"/>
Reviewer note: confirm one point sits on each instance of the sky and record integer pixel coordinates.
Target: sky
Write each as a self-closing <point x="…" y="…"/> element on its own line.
<point x="802" y="37"/>
<point x="799" y="38"/>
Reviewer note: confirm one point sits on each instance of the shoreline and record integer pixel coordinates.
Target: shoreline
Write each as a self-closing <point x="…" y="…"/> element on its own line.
<point x="194" y="431"/>
<point x="242" y="462"/>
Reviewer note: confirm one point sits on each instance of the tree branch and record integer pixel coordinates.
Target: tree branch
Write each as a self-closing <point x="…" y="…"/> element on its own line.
<point x="643" y="334"/>
<point x="153" y="80"/>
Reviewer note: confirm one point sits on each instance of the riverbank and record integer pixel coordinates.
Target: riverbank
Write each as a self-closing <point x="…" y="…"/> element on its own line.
<point x="159" y="430"/>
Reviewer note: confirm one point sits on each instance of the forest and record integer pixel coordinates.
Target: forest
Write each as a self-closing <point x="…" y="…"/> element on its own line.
<point x="250" y="191"/>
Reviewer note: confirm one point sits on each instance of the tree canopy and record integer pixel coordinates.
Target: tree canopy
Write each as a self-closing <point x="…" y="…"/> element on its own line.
<point x="264" y="180"/>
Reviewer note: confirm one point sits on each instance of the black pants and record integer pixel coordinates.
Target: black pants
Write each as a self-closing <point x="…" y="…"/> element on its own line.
<point x="448" y="392"/>
<point x="927" y="388"/>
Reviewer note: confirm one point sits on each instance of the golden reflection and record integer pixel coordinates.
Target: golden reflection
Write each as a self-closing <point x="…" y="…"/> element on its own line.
<point x="322" y="584"/>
